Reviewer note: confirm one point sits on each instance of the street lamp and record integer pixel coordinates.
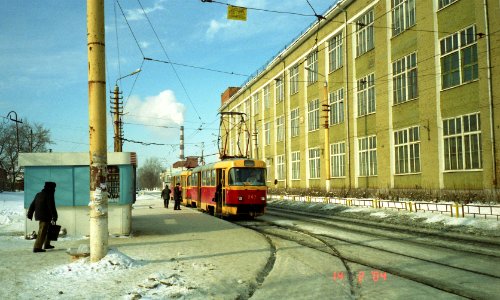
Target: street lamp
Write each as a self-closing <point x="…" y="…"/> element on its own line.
<point x="133" y="73"/>
<point x="117" y="111"/>
<point x="326" y="110"/>
<point x="17" y="127"/>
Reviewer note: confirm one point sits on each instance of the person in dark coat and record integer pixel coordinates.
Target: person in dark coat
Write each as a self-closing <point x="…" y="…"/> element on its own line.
<point x="44" y="209"/>
<point x="177" y="196"/>
<point x="165" y="195"/>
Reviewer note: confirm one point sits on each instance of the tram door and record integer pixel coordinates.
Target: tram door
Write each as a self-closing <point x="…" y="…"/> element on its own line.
<point x="198" y="190"/>
<point x="221" y="191"/>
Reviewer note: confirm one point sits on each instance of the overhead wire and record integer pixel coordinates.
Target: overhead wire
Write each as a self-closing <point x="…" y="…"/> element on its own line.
<point x="261" y="9"/>
<point x="167" y="56"/>
<point x="130" y="28"/>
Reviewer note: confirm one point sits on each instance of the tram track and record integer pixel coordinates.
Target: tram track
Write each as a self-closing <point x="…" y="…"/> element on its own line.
<point x="490" y="246"/>
<point x="447" y="274"/>
<point x="263" y="228"/>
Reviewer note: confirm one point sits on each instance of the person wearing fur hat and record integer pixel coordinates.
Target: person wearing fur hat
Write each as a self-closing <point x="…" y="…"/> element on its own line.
<point x="44" y="209"/>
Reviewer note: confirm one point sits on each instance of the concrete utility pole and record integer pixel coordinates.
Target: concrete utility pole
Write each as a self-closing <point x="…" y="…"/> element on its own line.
<point x="97" y="130"/>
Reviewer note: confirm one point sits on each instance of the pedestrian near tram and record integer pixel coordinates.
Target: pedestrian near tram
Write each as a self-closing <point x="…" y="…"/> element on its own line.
<point x="165" y="195"/>
<point x="177" y="196"/>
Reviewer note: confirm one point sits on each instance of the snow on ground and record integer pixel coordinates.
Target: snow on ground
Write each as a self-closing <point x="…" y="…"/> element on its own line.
<point x="487" y="227"/>
<point x="172" y="284"/>
<point x="114" y="266"/>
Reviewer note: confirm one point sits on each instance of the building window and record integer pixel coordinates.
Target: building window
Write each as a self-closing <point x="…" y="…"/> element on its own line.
<point x="404" y="72"/>
<point x="313" y="115"/>
<point x="256" y="103"/>
<point x="269" y="163"/>
<point x="312" y="67"/>
<point x="403" y="15"/>
<point x="279" y="96"/>
<point x="366" y="95"/>
<point x="407" y="150"/>
<point x="280" y="167"/>
<point x="364" y="33"/>
<point x="314" y="163"/>
<point x="267" y="133"/>
<point x="294" y="79"/>
<point x="459" y="58"/>
<point x="280" y="129"/>
<point x="443" y="3"/>
<point x="265" y="95"/>
<point x="367" y="156"/>
<point x="335" y="52"/>
<point x="294" y="122"/>
<point x="296" y="165"/>
<point x="462" y="143"/>
<point x="337" y="159"/>
<point x="336" y="102"/>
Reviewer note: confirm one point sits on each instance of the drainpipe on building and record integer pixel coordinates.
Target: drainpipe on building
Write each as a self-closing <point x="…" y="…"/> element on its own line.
<point x="490" y="98"/>
<point x="284" y="126"/>
<point x="326" y="109"/>
<point x="347" y="115"/>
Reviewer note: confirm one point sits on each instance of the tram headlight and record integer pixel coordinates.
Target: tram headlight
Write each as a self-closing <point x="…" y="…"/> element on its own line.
<point x="263" y="198"/>
<point x="240" y="198"/>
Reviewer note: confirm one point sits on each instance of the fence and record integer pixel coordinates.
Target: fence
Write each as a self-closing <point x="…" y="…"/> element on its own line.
<point x="451" y="209"/>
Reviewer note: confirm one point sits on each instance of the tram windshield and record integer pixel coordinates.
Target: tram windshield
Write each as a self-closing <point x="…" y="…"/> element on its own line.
<point x="247" y="176"/>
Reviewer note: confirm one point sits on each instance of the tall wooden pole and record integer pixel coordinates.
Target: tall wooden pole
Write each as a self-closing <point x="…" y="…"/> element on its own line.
<point x="97" y="130"/>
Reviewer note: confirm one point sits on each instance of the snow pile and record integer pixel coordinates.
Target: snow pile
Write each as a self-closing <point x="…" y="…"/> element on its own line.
<point x="380" y="214"/>
<point x="162" y="286"/>
<point x="12" y="212"/>
<point x="113" y="261"/>
<point x="148" y="195"/>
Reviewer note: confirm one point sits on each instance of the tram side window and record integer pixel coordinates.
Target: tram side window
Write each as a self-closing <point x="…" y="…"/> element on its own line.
<point x="212" y="181"/>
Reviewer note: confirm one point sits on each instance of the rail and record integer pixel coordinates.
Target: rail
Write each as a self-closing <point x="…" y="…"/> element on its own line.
<point x="452" y="209"/>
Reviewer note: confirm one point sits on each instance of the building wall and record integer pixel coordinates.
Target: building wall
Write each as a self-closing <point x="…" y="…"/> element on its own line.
<point x="423" y="111"/>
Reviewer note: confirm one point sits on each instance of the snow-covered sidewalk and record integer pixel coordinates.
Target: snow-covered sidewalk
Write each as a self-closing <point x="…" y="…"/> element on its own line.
<point x="171" y="254"/>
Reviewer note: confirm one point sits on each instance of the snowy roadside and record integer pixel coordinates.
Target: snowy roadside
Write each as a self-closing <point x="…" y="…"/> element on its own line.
<point x="183" y="260"/>
<point x="433" y="221"/>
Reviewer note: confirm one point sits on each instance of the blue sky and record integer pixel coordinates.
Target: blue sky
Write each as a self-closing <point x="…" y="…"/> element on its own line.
<point x="43" y="63"/>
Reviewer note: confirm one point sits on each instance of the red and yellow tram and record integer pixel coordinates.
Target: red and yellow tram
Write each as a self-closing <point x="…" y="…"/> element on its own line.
<point x="230" y="187"/>
<point x="181" y="177"/>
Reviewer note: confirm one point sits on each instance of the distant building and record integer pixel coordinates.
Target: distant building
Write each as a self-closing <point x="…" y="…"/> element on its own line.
<point x="411" y="99"/>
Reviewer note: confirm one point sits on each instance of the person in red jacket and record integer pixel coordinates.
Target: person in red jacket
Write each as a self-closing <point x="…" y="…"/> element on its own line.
<point x="44" y="209"/>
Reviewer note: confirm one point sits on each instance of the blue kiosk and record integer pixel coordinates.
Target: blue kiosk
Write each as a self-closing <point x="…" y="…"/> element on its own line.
<point x="71" y="173"/>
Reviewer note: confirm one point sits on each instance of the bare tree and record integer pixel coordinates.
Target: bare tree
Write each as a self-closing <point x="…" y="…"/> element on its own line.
<point x="149" y="174"/>
<point x="32" y="138"/>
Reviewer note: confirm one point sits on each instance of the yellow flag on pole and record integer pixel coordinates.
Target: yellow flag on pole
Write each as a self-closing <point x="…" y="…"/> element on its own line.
<point x="236" y="13"/>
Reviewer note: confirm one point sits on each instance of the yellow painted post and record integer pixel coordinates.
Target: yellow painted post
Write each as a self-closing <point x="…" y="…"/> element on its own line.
<point x="456" y="209"/>
<point x="410" y="204"/>
<point x="97" y="130"/>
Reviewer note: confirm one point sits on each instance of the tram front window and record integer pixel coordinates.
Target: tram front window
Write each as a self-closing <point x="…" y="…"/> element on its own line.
<point x="247" y="176"/>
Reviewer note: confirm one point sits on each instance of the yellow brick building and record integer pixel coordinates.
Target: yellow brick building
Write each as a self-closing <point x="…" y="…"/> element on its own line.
<point x="410" y="90"/>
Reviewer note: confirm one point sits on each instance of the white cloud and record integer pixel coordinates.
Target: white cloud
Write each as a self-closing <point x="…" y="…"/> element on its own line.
<point x="160" y="110"/>
<point x="138" y="14"/>
<point x="215" y="26"/>
<point x="144" y="44"/>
